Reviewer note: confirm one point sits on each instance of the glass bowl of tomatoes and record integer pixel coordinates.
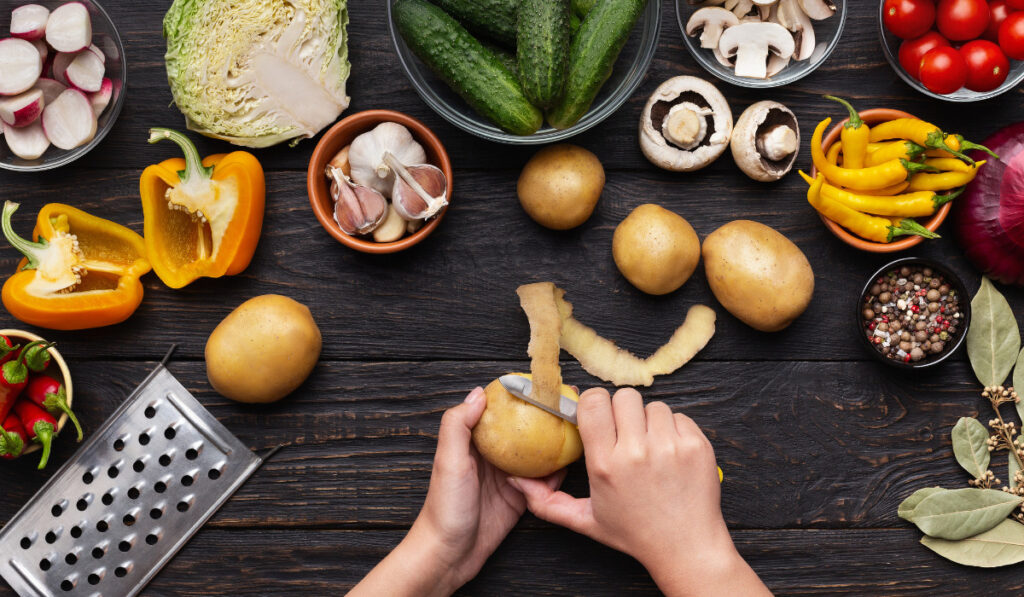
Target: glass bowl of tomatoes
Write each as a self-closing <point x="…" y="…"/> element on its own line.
<point x="955" y="50"/>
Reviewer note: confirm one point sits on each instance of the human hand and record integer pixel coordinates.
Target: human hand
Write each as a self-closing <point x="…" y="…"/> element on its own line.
<point x="654" y="494"/>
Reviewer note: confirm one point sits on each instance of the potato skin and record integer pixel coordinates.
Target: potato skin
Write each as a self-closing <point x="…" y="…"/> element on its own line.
<point x="560" y="185"/>
<point x="758" y="274"/>
<point x="262" y="350"/>
<point x="523" y="440"/>
<point x="655" y="249"/>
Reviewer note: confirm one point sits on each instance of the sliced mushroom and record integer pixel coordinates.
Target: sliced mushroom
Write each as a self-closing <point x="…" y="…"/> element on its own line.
<point x="792" y="17"/>
<point x="766" y="141"/>
<point x="741" y="8"/>
<point x="751" y="43"/>
<point x="686" y="124"/>
<point x="818" y="9"/>
<point x="776" y="64"/>
<point x="764" y="8"/>
<point x="710" y="22"/>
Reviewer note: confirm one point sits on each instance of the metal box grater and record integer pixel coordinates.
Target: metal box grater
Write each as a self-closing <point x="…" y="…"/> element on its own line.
<point x="128" y="499"/>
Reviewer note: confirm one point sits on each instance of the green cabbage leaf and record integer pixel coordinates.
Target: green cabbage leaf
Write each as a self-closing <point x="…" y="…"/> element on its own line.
<point x="258" y="72"/>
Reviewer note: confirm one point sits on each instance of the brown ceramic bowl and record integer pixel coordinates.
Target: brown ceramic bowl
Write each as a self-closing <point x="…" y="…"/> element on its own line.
<point x="57" y="369"/>
<point x="872" y="117"/>
<point x="342" y="134"/>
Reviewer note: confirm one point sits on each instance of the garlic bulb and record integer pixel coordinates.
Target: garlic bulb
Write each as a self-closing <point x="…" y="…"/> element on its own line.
<point x="366" y="155"/>
<point x="419" y="191"/>
<point x="357" y="209"/>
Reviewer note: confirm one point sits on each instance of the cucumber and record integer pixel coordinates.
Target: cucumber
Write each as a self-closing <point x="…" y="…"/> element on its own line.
<point x="507" y="58"/>
<point x="470" y="69"/>
<point x="592" y="55"/>
<point x="495" y="19"/>
<point x="581" y="7"/>
<point x="542" y="49"/>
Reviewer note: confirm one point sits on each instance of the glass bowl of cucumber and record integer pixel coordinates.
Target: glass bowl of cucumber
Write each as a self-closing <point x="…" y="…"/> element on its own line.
<point x="627" y="73"/>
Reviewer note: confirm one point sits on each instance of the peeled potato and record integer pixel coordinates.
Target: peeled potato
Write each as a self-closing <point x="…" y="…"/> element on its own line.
<point x="523" y="440"/>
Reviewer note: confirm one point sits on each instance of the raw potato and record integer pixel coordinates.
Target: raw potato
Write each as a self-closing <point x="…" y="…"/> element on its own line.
<point x="560" y="185"/>
<point x="655" y="249"/>
<point x="262" y="350"/>
<point x="758" y="274"/>
<point x="523" y="440"/>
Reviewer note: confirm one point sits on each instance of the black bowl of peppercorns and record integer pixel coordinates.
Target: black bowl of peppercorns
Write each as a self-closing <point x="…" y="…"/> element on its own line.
<point x="913" y="313"/>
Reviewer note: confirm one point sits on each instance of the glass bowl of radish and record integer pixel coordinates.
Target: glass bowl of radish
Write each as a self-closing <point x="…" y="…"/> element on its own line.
<point x="62" y="82"/>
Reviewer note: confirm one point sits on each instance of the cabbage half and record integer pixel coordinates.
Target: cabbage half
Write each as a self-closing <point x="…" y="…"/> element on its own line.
<point x="258" y="72"/>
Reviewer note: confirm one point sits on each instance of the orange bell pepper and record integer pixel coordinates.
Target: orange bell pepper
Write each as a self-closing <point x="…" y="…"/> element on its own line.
<point x="81" y="271"/>
<point x="202" y="217"/>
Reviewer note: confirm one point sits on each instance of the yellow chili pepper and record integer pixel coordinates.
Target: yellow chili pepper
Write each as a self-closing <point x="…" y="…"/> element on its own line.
<point x="873" y="228"/>
<point x="855" y="135"/>
<point x="926" y="134"/>
<point x="895" y="189"/>
<point x="860" y="179"/>
<point x="943" y="180"/>
<point x="949" y="165"/>
<point x="965" y="145"/>
<point x="910" y="205"/>
<point x="833" y="154"/>
<point x="880" y="153"/>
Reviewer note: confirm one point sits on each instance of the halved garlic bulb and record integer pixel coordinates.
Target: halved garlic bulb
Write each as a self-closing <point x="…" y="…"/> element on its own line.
<point x="419" y="192"/>
<point x="357" y="209"/>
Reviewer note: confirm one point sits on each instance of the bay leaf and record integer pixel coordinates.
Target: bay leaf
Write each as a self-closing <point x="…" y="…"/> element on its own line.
<point x="993" y="339"/>
<point x="999" y="546"/>
<point x="960" y="513"/>
<point x="906" y="508"/>
<point x="970" y="446"/>
<point x="1018" y="382"/>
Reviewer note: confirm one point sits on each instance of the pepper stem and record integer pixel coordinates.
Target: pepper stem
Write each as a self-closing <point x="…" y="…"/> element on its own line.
<point x="965" y="144"/>
<point x="914" y="150"/>
<point x="59" y="402"/>
<point x="909" y="226"/>
<point x="915" y="167"/>
<point x="11" y="444"/>
<point x="194" y="169"/>
<point x="27" y="248"/>
<point x="939" y="200"/>
<point x="16" y="372"/>
<point x="37" y="358"/>
<point x="937" y="140"/>
<point x="855" y="119"/>
<point x="44" y="434"/>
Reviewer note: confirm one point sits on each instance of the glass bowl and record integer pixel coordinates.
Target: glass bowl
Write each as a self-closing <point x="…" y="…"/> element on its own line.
<point x="104" y="37"/>
<point x="627" y="75"/>
<point x="827" y="33"/>
<point x="891" y="48"/>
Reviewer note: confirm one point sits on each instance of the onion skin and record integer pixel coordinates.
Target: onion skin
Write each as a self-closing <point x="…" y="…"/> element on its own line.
<point x="989" y="217"/>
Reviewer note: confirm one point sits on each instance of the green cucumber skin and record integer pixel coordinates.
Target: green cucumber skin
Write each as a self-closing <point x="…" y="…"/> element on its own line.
<point x="582" y="7"/>
<point x="507" y="58"/>
<point x="495" y="19"/>
<point x="470" y="69"/>
<point x="542" y="49"/>
<point x="592" y="55"/>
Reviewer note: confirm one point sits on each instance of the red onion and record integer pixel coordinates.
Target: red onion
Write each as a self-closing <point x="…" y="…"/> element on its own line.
<point x="990" y="215"/>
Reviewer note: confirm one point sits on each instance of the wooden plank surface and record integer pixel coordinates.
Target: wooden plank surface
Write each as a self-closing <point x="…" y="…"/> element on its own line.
<point x="818" y="442"/>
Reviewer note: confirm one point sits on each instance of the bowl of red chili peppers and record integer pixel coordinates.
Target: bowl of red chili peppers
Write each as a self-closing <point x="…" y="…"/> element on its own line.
<point x="35" y="395"/>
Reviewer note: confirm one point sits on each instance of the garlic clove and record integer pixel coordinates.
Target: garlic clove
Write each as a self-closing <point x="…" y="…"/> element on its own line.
<point x="392" y="229"/>
<point x="420" y="191"/>
<point x="340" y="161"/>
<point x="357" y="209"/>
<point x="411" y="226"/>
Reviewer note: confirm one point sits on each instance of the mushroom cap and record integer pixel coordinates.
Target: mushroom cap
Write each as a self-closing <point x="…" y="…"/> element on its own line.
<point x="792" y="17"/>
<point x="818" y="9"/>
<point x="759" y="118"/>
<point x="719" y="124"/>
<point x="751" y="43"/>
<point x="711" y="21"/>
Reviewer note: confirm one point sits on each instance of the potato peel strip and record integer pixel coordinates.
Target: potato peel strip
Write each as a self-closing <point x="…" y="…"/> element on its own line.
<point x="538" y="301"/>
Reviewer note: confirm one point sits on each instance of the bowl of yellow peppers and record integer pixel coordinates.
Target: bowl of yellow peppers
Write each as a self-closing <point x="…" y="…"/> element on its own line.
<point x="884" y="181"/>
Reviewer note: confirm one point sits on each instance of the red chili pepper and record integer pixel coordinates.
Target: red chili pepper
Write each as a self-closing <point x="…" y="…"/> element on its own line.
<point x="8" y="350"/>
<point x="39" y="424"/>
<point x="49" y="393"/>
<point x="37" y="358"/>
<point x="12" y="438"/>
<point x="13" y="377"/>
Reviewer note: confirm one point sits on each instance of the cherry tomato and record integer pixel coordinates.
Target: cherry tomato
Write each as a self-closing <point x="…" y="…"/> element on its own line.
<point x="913" y="50"/>
<point x="998" y="11"/>
<point x="962" y="20"/>
<point x="943" y="70"/>
<point x="1016" y="4"/>
<point x="908" y="19"/>
<point x="987" y="66"/>
<point x="1011" y="36"/>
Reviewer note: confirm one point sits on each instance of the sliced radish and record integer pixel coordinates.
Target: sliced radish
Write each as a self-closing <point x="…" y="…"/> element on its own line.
<point x="29" y="21"/>
<point x="51" y="89"/>
<point x="20" y="66"/>
<point x="27" y="143"/>
<point x="60" y="64"/>
<point x="101" y="98"/>
<point x="85" y="72"/>
<point x="69" y="121"/>
<point x="44" y="50"/>
<point x="99" y="53"/>
<point x="22" y="110"/>
<point x="69" y="28"/>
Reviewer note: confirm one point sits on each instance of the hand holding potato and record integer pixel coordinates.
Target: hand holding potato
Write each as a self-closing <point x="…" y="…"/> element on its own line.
<point x="654" y="494"/>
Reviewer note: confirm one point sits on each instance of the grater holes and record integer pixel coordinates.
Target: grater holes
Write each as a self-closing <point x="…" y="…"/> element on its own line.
<point x="139" y="466"/>
<point x="213" y="474"/>
<point x="59" y="508"/>
<point x="67" y="585"/>
<point x="118" y="444"/>
<point x="83" y="502"/>
<point x="170" y="432"/>
<point x="193" y="452"/>
<point x="156" y="513"/>
<point x="45" y="564"/>
<point x="88" y="478"/>
<point x="27" y="541"/>
<point x="144" y="439"/>
<point x="113" y="471"/>
<point x="133" y="493"/>
<point x="52" y="535"/>
<point x="128" y="520"/>
<point x="165" y="459"/>
<point x="76" y="532"/>
<point x="150" y="411"/>
<point x="71" y="558"/>
<point x="152" y="538"/>
<point x="94" y="578"/>
<point x="185" y="503"/>
<point x="187" y="480"/>
<point x="98" y="552"/>
<point x="102" y="526"/>
<point x="108" y="497"/>
<point x="126" y="544"/>
<point x="121" y="572"/>
<point x="160" y="487"/>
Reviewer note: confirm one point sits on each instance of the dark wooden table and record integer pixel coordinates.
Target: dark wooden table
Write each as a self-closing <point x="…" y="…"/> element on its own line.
<point x="819" y="443"/>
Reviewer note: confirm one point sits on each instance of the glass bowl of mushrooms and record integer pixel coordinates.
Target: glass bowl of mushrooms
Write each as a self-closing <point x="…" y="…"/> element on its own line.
<point x="379" y="181"/>
<point x="761" y="43"/>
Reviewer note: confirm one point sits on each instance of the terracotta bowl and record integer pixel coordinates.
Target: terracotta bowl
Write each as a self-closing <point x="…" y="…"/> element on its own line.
<point x="872" y="117"/>
<point x="342" y="134"/>
<point x="57" y="369"/>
